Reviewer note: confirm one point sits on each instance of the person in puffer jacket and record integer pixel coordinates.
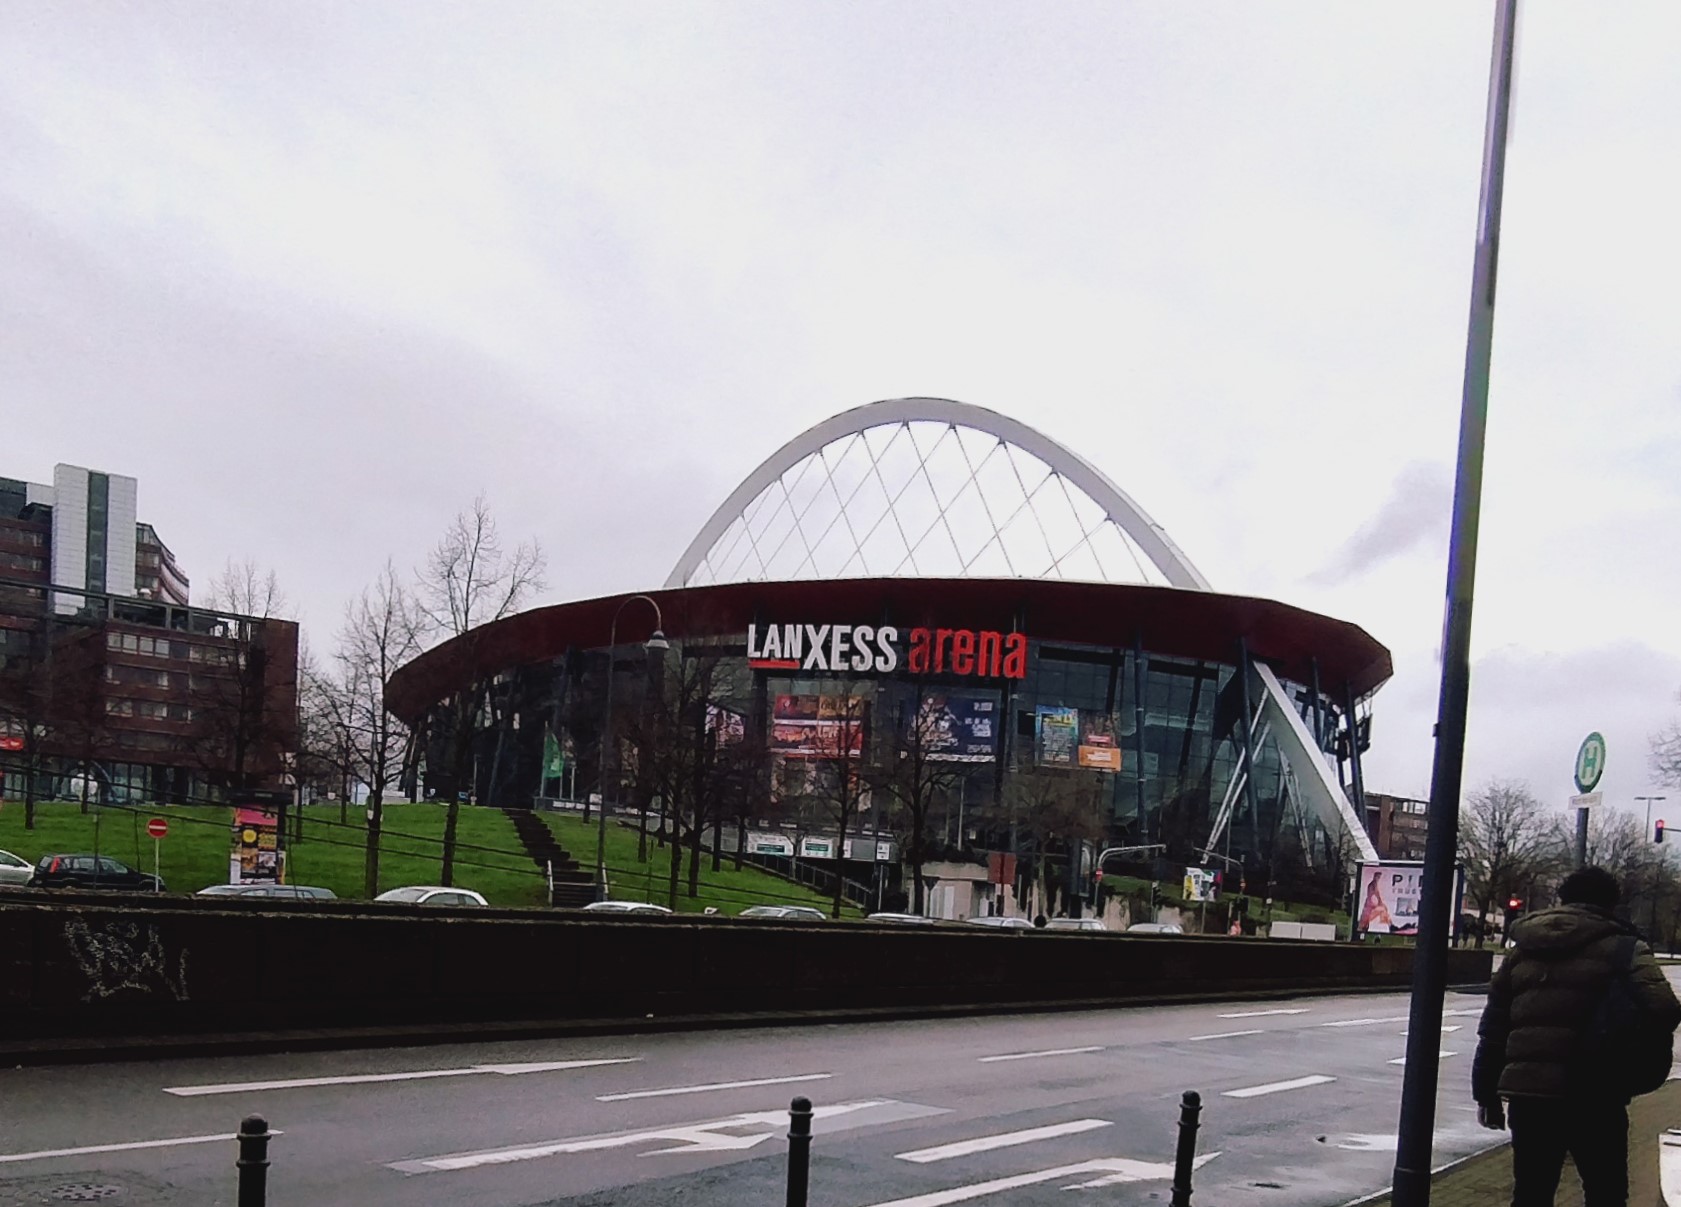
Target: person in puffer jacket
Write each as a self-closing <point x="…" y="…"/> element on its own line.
<point x="1541" y="1004"/>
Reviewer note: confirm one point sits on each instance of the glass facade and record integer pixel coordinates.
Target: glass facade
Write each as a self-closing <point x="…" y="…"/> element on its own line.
<point x="1093" y="748"/>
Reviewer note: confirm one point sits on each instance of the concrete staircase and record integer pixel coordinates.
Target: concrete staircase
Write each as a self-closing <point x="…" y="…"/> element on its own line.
<point x="573" y="886"/>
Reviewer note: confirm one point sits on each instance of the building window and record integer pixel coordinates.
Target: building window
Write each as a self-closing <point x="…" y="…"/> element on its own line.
<point x="22" y="561"/>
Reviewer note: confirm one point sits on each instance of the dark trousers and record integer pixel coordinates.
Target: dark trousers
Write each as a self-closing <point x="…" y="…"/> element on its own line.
<point x="1595" y="1134"/>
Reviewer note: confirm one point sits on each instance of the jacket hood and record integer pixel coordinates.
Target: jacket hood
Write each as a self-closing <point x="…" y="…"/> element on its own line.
<point x="1564" y="929"/>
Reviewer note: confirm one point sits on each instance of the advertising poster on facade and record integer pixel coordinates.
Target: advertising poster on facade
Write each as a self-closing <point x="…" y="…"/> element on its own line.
<point x="1098" y="748"/>
<point x="958" y="729"/>
<point x="1386" y="900"/>
<point x="728" y="727"/>
<point x="1057" y="735"/>
<point x="818" y="727"/>
<point x="255" y="858"/>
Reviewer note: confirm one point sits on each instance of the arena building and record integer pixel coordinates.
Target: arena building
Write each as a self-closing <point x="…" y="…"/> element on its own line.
<point x="924" y="635"/>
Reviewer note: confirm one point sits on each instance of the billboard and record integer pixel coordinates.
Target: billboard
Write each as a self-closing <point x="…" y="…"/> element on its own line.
<point x="957" y="729"/>
<point x="1056" y="735"/>
<point x="1098" y="748"/>
<point x="1387" y="894"/>
<point x="818" y="727"/>
<point x="255" y="858"/>
<point x="1067" y="737"/>
<point x="728" y="726"/>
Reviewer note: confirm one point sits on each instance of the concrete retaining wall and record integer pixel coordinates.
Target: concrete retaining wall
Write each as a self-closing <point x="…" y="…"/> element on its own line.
<point x="87" y="965"/>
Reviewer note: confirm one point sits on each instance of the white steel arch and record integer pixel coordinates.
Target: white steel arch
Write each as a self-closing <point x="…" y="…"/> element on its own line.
<point x="1070" y="467"/>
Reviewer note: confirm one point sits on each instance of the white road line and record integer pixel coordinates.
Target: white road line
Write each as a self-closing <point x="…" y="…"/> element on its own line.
<point x="133" y="1145"/>
<point x="1033" y="1055"/>
<point x="672" y="1091"/>
<point x="1275" y="1087"/>
<point x="981" y="1144"/>
<point x="1197" y="1039"/>
<point x="1264" y="1013"/>
<point x="1401" y="1060"/>
<point x="1367" y="1022"/>
<point x="1445" y="1030"/>
<point x="298" y="1083"/>
<point x="1111" y="1171"/>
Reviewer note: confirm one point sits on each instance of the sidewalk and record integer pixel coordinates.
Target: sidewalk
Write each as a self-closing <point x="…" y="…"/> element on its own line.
<point x="1486" y="1179"/>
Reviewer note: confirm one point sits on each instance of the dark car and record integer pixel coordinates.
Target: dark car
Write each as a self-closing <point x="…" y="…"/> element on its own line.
<point x="92" y="871"/>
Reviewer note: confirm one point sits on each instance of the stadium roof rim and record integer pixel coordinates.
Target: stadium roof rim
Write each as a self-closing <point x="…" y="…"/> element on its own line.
<point x="1150" y="536"/>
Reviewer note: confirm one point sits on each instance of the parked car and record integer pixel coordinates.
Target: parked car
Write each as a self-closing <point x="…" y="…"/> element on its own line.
<point x="1075" y="924"/>
<point x="282" y="892"/>
<point x="625" y="907"/>
<point x="14" y="870"/>
<point x="432" y="894"/>
<point x="901" y="919"/>
<point x="1155" y="928"/>
<point x="92" y="871"/>
<point x="788" y="913"/>
<point x="1000" y="923"/>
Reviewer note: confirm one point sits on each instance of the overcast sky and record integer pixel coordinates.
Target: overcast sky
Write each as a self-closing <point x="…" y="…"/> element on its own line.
<point x="317" y="273"/>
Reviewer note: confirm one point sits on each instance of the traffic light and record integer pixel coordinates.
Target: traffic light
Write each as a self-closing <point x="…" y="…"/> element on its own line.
<point x="1515" y="904"/>
<point x="1657" y="830"/>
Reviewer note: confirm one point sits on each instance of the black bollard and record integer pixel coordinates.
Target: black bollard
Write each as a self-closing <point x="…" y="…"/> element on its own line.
<point x="253" y="1161"/>
<point x="1190" y="1112"/>
<point x="799" y="1151"/>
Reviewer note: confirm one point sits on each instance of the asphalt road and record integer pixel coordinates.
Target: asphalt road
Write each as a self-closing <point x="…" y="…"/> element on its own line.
<point x="1301" y="1100"/>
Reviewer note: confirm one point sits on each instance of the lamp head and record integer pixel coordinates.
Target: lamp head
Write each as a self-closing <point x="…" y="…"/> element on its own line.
<point x="657" y="642"/>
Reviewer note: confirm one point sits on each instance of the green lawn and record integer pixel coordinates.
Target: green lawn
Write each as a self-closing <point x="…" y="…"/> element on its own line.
<point x="488" y="858"/>
<point x="488" y="855"/>
<point x="726" y="890"/>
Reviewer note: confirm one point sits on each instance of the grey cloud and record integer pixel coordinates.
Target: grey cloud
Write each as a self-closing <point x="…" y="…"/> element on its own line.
<point x="1415" y="514"/>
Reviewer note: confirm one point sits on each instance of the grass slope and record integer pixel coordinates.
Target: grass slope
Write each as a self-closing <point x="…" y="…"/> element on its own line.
<point x="629" y="879"/>
<point x="489" y="857"/>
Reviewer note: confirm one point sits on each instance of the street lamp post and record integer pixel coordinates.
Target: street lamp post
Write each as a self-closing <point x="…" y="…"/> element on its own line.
<point x="656" y="642"/>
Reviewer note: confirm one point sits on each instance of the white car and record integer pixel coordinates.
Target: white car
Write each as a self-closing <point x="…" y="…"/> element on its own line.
<point x="788" y="913"/>
<point x="1000" y="923"/>
<point x="432" y="894"/>
<point x="1155" y="928"/>
<point x="1075" y="924"/>
<point x="901" y="919"/>
<point x="625" y="907"/>
<point x="14" y="870"/>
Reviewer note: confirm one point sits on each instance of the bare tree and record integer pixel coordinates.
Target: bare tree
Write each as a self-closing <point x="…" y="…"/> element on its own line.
<point x="246" y="589"/>
<point x="918" y="772"/>
<point x="837" y="784"/>
<point x="25" y="698"/>
<point x="381" y="632"/>
<point x="1507" y="841"/>
<point x="1666" y="753"/>
<point x="469" y="580"/>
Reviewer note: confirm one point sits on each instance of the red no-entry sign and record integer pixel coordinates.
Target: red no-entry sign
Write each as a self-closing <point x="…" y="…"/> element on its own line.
<point x="157" y="827"/>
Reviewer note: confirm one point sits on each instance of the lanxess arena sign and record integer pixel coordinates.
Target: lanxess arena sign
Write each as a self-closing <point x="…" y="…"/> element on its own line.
<point x="872" y="649"/>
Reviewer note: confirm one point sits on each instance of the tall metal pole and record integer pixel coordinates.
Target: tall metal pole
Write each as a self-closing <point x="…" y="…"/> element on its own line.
<point x="1424" y="1031"/>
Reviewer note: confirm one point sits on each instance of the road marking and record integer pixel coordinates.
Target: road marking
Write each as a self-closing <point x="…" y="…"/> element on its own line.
<point x="298" y="1083"/>
<point x="672" y="1091"/>
<point x="1275" y="1087"/>
<point x="1264" y="1013"/>
<point x="1111" y="1171"/>
<point x="1197" y="1039"/>
<point x="707" y="1136"/>
<point x="131" y="1146"/>
<point x="1461" y="1013"/>
<point x="1445" y="1030"/>
<point x="1401" y="1060"/>
<point x="1366" y="1022"/>
<point x="1034" y="1055"/>
<point x="981" y="1144"/>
